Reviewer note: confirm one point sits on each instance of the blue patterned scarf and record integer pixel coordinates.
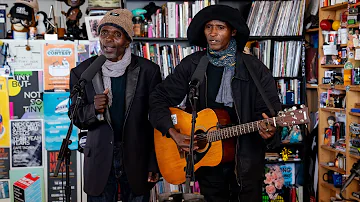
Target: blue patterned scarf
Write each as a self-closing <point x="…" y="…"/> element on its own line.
<point x="226" y="59"/>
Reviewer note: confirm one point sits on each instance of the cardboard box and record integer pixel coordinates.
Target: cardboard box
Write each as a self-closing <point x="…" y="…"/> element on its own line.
<point x="28" y="189"/>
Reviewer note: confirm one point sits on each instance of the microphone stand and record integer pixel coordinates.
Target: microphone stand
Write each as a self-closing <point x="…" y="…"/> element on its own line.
<point x="65" y="152"/>
<point x="190" y="173"/>
<point x="355" y="172"/>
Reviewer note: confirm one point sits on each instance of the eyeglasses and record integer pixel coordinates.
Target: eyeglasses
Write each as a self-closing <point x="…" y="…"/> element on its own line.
<point x="24" y="22"/>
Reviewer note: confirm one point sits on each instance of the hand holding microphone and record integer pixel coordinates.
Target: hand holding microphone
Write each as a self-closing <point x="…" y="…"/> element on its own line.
<point x="101" y="101"/>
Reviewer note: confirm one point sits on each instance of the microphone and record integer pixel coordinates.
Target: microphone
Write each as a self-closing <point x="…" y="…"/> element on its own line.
<point x="355" y="171"/>
<point x="88" y="74"/>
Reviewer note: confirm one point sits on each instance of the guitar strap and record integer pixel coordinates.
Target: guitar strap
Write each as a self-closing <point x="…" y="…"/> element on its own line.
<point x="201" y="69"/>
<point x="261" y="90"/>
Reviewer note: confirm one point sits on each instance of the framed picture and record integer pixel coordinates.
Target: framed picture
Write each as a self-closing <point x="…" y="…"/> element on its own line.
<point x="104" y="3"/>
<point x="92" y="23"/>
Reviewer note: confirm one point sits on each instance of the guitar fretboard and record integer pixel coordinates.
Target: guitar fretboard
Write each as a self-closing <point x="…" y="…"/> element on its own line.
<point x="237" y="130"/>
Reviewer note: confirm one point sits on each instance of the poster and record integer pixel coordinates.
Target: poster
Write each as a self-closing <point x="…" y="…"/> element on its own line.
<point x="23" y="59"/>
<point x="59" y="59"/>
<point x="57" y="121"/>
<point x="83" y="53"/>
<point x="94" y="48"/>
<point x="4" y="190"/>
<point x="4" y="114"/>
<point x="56" y="185"/>
<point x="25" y="91"/>
<point x="288" y="172"/>
<point x="36" y="173"/>
<point x="4" y="163"/>
<point x="26" y="142"/>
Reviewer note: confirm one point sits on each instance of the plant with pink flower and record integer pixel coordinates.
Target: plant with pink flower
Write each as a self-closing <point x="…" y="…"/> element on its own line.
<point x="274" y="181"/>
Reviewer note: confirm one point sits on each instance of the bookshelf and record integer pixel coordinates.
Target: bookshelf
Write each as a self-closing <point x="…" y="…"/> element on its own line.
<point x="327" y="153"/>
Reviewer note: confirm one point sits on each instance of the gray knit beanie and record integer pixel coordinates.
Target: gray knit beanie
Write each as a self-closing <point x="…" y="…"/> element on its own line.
<point x="119" y="18"/>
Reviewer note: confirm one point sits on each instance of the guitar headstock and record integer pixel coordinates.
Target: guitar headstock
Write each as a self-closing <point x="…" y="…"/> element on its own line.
<point x="293" y="116"/>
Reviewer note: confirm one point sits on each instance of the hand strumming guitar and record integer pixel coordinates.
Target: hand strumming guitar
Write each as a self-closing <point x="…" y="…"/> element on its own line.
<point x="182" y="141"/>
<point x="266" y="130"/>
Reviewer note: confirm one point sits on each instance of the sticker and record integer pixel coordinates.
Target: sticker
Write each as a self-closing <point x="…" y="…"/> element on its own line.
<point x="174" y="119"/>
<point x="351" y="54"/>
<point x="348" y="65"/>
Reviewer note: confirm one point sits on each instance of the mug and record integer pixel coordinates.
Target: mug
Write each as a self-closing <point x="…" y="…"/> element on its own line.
<point x="337" y="179"/>
<point x="329" y="175"/>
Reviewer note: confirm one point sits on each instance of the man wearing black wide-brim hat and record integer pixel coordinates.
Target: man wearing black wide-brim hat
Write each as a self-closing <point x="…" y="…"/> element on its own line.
<point x="227" y="86"/>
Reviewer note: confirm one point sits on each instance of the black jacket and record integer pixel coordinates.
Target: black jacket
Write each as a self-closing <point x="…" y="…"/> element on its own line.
<point x="248" y="103"/>
<point x="138" y="134"/>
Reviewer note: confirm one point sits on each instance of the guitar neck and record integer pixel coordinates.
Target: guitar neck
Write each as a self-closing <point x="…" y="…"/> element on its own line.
<point x="237" y="130"/>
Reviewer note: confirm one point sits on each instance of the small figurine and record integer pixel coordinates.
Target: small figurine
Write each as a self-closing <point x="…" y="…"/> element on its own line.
<point x="295" y="134"/>
<point x="73" y="16"/>
<point x="41" y="23"/>
<point x="297" y="156"/>
<point x="284" y="133"/>
<point x="22" y="17"/>
<point x="331" y="121"/>
<point x="285" y="154"/>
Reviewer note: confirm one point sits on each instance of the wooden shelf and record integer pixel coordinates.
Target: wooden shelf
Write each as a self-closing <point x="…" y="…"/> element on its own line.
<point x="332" y="149"/>
<point x="312" y="30"/>
<point x="330" y="186"/>
<point x="354" y="88"/>
<point x="353" y="26"/>
<point x="328" y="86"/>
<point x="311" y="86"/>
<point x="335" y="7"/>
<point x="335" y="169"/>
<point x="354" y="114"/>
<point x="332" y="66"/>
<point x="283" y="162"/>
<point x="354" y="156"/>
<point x="353" y="197"/>
<point x="332" y="109"/>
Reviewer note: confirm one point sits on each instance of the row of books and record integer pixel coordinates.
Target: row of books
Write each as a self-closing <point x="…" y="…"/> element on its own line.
<point x="276" y="18"/>
<point x="287" y="57"/>
<point x="289" y="91"/>
<point x="173" y="19"/>
<point x="163" y="186"/>
<point x="166" y="56"/>
<point x="261" y="49"/>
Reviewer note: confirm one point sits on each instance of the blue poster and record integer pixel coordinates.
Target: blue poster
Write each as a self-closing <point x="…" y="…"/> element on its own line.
<point x="288" y="172"/>
<point x="57" y="122"/>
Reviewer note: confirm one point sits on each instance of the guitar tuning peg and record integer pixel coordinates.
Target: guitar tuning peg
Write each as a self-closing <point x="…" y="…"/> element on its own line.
<point x="286" y="109"/>
<point x="294" y="108"/>
<point x="280" y="113"/>
<point x="302" y="106"/>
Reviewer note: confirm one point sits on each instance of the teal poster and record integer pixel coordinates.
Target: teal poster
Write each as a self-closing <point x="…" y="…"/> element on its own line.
<point x="57" y="122"/>
<point x="27" y="184"/>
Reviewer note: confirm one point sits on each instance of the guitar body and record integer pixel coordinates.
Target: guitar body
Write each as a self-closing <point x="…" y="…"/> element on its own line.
<point x="172" y="162"/>
<point x="215" y="146"/>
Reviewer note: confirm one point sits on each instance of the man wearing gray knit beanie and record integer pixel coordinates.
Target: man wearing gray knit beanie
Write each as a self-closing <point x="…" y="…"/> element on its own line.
<point x="119" y="147"/>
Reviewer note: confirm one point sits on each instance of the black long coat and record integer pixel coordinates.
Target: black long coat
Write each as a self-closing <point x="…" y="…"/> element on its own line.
<point x="249" y="105"/>
<point x="138" y="134"/>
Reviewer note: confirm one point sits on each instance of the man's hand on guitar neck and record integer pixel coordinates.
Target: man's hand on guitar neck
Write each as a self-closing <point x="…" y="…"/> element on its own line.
<point x="266" y="130"/>
<point x="182" y="141"/>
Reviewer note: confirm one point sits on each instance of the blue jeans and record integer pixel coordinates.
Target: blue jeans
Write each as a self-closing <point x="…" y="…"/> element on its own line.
<point x="118" y="177"/>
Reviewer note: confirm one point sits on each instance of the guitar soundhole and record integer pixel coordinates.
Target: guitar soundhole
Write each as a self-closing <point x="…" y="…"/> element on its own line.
<point x="201" y="139"/>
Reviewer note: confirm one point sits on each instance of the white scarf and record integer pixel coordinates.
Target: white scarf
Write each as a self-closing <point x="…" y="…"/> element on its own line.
<point x="115" y="69"/>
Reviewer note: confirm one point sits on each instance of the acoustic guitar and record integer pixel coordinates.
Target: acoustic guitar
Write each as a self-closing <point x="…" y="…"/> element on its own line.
<point x="215" y="144"/>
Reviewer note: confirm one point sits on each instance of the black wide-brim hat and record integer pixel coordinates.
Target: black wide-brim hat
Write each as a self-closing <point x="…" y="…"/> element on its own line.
<point x="195" y="32"/>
